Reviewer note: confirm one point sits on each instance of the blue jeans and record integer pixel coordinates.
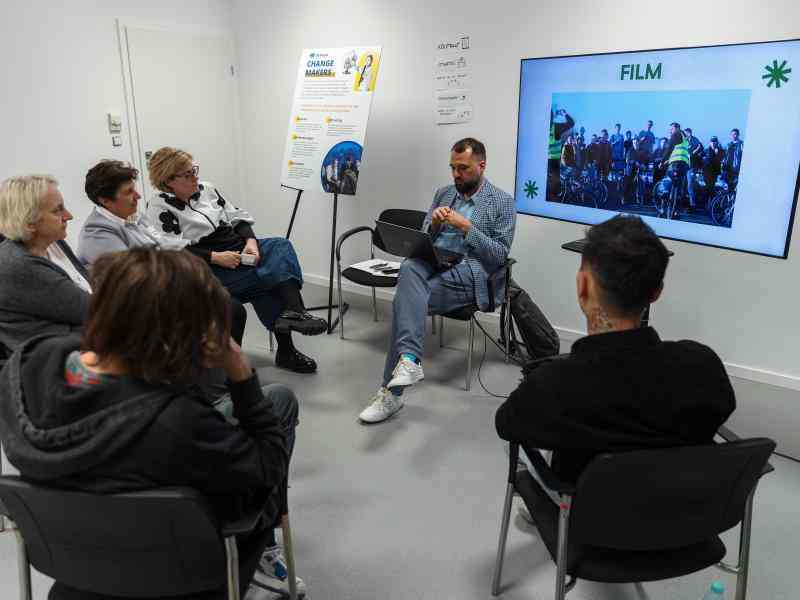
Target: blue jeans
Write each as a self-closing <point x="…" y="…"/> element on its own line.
<point x="255" y="285"/>
<point x="422" y="291"/>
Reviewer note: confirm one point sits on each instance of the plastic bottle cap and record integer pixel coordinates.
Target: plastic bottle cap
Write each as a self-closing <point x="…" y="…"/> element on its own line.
<point x="717" y="587"/>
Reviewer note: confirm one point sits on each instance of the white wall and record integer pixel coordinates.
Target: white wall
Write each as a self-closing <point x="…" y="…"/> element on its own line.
<point x="61" y="74"/>
<point x="744" y="306"/>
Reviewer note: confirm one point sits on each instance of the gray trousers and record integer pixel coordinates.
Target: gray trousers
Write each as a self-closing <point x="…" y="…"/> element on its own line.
<point x="284" y="406"/>
<point x="422" y="291"/>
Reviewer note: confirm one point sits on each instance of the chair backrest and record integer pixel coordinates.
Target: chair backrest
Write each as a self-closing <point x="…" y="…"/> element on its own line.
<point x="405" y="217"/>
<point x="162" y="542"/>
<point x="666" y="498"/>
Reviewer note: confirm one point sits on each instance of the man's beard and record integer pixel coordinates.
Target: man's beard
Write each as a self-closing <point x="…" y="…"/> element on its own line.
<point x="467" y="187"/>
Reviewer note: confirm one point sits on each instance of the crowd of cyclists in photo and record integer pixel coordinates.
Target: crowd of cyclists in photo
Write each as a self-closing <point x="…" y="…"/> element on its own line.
<point x="672" y="177"/>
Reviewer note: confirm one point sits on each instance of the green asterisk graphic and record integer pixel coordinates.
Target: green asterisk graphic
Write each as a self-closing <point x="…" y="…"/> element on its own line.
<point x="776" y="74"/>
<point x="531" y="189"/>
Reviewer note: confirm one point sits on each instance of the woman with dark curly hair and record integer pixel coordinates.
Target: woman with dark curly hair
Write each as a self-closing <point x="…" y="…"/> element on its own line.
<point x="116" y="409"/>
<point x="263" y="272"/>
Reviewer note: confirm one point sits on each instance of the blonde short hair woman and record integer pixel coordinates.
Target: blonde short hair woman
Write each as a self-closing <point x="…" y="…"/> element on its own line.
<point x="45" y="288"/>
<point x="264" y="272"/>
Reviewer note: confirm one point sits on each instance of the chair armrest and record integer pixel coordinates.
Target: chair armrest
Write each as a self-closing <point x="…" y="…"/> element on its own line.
<point x="727" y="435"/>
<point x="546" y="473"/>
<point x="3" y="510"/>
<point x="730" y="436"/>
<point x="346" y="235"/>
<point x="240" y="526"/>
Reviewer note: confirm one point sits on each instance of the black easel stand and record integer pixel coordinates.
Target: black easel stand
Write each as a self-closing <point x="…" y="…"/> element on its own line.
<point x="330" y="306"/>
<point x="577" y="246"/>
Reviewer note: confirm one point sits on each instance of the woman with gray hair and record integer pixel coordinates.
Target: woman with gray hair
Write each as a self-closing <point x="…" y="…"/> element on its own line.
<point x="45" y="288"/>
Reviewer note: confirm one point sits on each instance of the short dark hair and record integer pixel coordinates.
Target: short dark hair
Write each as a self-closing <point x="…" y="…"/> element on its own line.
<point x="736" y="130"/>
<point x="604" y="131"/>
<point x="161" y="313"/>
<point x="617" y="125"/>
<point x="478" y="149"/>
<point x="649" y="121"/>
<point x="628" y="260"/>
<point x="104" y="179"/>
<point x="675" y="124"/>
<point x="689" y="129"/>
<point x="627" y="131"/>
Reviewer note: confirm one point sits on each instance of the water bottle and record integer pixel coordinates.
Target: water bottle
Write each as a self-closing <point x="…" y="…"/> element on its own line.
<point x="716" y="592"/>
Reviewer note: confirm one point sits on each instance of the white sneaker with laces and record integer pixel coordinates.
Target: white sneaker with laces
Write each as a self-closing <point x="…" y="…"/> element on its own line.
<point x="406" y="373"/>
<point x="382" y="406"/>
<point x="272" y="574"/>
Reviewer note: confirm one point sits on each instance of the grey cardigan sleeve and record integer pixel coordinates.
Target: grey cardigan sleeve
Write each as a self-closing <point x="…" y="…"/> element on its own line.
<point x="37" y="287"/>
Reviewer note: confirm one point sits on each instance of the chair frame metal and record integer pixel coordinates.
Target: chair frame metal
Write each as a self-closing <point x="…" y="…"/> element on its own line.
<point x="471" y="326"/>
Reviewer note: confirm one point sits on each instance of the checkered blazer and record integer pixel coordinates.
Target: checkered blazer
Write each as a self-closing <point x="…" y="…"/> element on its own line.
<point x="489" y="239"/>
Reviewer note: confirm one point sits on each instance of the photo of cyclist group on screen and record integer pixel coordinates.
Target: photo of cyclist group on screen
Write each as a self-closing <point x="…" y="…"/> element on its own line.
<point x="671" y="177"/>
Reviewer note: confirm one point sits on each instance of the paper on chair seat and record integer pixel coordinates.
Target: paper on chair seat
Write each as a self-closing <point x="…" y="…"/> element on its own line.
<point x="369" y="266"/>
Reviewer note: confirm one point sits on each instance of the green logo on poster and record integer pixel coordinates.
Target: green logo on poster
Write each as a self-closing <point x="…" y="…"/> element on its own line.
<point x="531" y="189"/>
<point x="776" y="74"/>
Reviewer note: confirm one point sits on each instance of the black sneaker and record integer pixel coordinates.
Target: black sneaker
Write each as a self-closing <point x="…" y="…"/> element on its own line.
<point x="301" y="322"/>
<point x="296" y="361"/>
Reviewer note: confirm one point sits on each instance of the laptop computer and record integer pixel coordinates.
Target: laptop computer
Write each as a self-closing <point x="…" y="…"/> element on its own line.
<point x="413" y="243"/>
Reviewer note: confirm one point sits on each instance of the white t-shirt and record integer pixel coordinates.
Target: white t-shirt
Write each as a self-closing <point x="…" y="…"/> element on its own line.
<point x="57" y="255"/>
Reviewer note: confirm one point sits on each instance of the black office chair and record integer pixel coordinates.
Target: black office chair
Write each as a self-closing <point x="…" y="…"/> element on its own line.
<point x="643" y="515"/>
<point x="468" y="314"/>
<point x="150" y="544"/>
<point x="413" y="219"/>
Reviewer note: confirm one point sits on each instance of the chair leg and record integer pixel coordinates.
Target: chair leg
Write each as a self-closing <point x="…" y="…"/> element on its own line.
<point x="2" y="518"/>
<point x="433" y="324"/>
<point x="508" y="331"/>
<point x="744" y="549"/>
<point x="374" y="306"/>
<point x="561" y="557"/>
<point x="470" y="344"/>
<point x="232" y="559"/>
<point x="271" y="343"/>
<point x="25" y="591"/>
<point x="339" y="288"/>
<point x="288" y="552"/>
<point x="441" y="332"/>
<point x="501" y="543"/>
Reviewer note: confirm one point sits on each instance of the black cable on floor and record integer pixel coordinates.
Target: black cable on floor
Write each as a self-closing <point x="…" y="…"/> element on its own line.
<point x="483" y="359"/>
<point x="786" y="456"/>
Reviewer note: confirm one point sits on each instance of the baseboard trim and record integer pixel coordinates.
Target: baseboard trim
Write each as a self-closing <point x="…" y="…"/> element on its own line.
<point x="781" y="380"/>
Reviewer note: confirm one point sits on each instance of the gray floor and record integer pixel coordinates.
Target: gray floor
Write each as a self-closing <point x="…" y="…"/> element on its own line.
<point x="410" y="509"/>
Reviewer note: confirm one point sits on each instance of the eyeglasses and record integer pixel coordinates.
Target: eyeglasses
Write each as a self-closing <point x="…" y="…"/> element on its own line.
<point x="188" y="174"/>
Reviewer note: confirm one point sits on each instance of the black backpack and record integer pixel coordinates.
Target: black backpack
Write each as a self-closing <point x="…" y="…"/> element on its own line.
<point x="539" y="339"/>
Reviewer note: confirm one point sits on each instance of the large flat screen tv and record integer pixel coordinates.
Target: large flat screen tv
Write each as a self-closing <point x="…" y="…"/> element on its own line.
<point x="702" y="143"/>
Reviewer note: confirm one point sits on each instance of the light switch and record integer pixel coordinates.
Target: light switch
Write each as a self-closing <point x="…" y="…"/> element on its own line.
<point x="116" y="140"/>
<point x="114" y="123"/>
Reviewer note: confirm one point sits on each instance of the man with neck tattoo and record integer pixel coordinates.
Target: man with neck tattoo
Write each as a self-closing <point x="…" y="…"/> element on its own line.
<point x="471" y="218"/>
<point x="621" y="387"/>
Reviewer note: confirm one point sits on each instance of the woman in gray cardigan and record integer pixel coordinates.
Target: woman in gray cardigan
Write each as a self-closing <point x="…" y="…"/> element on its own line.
<point x="45" y="288"/>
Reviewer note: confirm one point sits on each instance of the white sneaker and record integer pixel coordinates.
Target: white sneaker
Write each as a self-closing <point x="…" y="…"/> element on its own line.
<point x="272" y="574"/>
<point x="406" y="373"/>
<point x="382" y="406"/>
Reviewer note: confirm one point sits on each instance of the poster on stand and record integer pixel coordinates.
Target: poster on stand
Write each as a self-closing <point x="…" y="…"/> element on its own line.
<point x="328" y="122"/>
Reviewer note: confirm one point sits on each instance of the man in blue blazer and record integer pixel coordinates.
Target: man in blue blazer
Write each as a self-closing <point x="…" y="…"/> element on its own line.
<point x="471" y="217"/>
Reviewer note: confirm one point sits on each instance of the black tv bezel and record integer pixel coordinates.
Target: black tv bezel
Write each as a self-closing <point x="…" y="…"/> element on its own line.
<point x="790" y="225"/>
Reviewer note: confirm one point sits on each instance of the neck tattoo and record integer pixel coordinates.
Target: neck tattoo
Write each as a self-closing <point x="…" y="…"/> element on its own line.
<point x="600" y="322"/>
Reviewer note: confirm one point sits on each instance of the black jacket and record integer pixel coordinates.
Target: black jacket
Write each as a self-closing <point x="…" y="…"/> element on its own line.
<point x="618" y="391"/>
<point x="130" y="435"/>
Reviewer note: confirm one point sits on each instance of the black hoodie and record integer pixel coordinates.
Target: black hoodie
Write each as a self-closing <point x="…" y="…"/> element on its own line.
<point x="130" y="435"/>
